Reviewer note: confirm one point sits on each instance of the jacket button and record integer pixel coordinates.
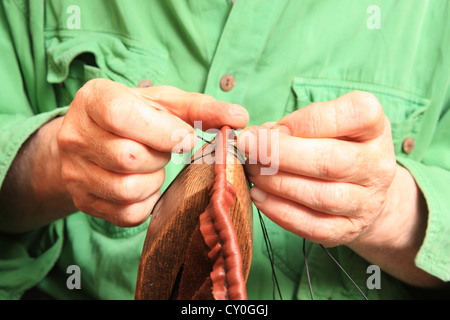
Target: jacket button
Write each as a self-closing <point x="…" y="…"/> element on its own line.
<point x="408" y="145"/>
<point x="227" y="82"/>
<point x="145" y="84"/>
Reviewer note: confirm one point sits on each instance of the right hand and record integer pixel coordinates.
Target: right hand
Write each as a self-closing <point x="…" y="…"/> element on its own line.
<point x="115" y="142"/>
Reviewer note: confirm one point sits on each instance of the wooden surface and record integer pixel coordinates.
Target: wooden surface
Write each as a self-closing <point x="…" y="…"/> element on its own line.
<point x="176" y="217"/>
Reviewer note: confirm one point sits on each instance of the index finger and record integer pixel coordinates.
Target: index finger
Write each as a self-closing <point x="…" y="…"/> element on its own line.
<point x="325" y="159"/>
<point x="193" y="106"/>
<point x="116" y="109"/>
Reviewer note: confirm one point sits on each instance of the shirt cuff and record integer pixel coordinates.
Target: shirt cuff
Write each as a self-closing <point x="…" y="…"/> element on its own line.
<point x="434" y="254"/>
<point x="15" y="130"/>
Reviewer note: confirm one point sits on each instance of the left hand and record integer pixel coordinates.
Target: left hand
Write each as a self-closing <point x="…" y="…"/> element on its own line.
<point x="335" y="162"/>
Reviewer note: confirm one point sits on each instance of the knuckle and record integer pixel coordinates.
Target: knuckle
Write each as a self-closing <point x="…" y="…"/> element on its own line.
<point x="330" y="198"/>
<point x="323" y="233"/>
<point x="85" y="93"/>
<point x="164" y="157"/>
<point x="161" y="176"/>
<point x="123" y="216"/>
<point x="376" y="199"/>
<point x="351" y="232"/>
<point x="132" y="188"/>
<point x="337" y="163"/>
<point x="68" y="140"/>
<point x="134" y="214"/>
<point x="131" y="216"/>
<point x="277" y="182"/>
<point x="114" y="114"/>
<point x="105" y="100"/>
<point x="97" y="85"/>
<point x="66" y="173"/>
<point x="372" y="206"/>
<point x="312" y="120"/>
<point x="82" y="206"/>
<point x="388" y="168"/>
<point x="367" y="108"/>
<point x="82" y="202"/>
<point x="383" y="180"/>
<point x="71" y="175"/>
<point x="334" y="233"/>
<point x="126" y="189"/>
<point x="364" y="100"/>
<point x="383" y="169"/>
<point x="90" y="85"/>
<point x="324" y="163"/>
<point x="319" y="197"/>
<point x="63" y="139"/>
<point x="156" y="181"/>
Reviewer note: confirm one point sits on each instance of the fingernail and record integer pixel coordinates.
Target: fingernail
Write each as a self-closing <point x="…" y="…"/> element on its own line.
<point x="246" y="139"/>
<point x="268" y="125"/>
<point x="282" y="128"/>
<point x="258" y="195"/>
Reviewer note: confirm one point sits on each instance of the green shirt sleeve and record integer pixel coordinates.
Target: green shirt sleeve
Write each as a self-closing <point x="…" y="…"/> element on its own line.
<point x="27" y="100"/>
<point x="24" y="259"/>
<point x="432" y="175"/>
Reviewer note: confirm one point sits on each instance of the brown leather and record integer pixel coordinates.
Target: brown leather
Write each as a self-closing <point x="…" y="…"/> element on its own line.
<point x="195" y="282"/>
<point x="218" y="231"/>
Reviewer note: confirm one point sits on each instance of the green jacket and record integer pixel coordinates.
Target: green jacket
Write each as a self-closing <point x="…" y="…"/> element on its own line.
<point x="283" y="55"/>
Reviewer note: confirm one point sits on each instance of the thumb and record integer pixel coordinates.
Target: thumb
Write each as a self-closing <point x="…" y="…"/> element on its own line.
<point x="356" y="115"/>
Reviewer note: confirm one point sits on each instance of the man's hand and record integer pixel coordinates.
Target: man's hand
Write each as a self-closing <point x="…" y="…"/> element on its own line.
<point x="106" y="157"/>
<point x="115" y="142"/>
<point x="335" y="165"/>
<point x="338" y="183"/>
